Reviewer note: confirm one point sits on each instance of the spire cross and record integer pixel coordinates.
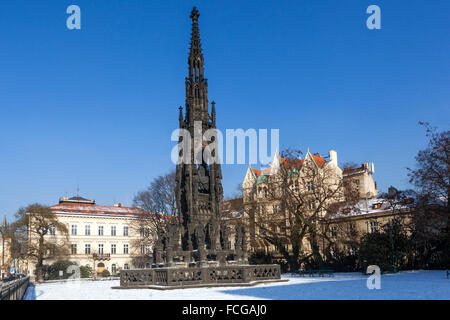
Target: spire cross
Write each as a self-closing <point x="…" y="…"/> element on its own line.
<point x="195" y="14"/>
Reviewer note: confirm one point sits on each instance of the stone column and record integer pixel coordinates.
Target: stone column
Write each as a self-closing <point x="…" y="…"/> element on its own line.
<point x="244" y="246"/>
<point x="169" y="256"/>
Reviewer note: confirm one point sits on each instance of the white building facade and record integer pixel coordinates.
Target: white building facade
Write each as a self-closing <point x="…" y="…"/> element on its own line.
<point x="101" y="237"/>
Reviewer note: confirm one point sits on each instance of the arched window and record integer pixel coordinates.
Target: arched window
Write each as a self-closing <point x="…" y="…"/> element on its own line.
<point x="100" y="267"/>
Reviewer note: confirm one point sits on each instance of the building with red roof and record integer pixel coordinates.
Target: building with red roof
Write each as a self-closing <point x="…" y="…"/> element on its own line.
<point x="100" y="236"/>
<point x="314" y="172"/>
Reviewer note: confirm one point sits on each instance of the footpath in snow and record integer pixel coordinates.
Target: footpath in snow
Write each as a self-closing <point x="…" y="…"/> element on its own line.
<point x="409" y="285"/>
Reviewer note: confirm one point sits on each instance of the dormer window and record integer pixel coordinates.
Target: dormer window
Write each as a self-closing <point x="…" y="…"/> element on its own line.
<point x="376" y="205"/>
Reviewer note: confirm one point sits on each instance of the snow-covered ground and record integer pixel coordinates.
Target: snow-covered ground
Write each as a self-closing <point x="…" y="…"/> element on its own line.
<point x="344" y="286"/>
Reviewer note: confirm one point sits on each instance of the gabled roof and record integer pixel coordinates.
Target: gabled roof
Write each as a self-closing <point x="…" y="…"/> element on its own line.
<point x="298" y="163"/>
<point x="256" y="172"/>
<point x="318" y="159"/>
<point x="292" y="164"/>
<point x="287" y="164"/>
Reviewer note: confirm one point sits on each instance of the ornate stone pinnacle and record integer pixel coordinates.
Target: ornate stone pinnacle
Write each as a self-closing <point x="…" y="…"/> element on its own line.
<point x="195" y="14"/>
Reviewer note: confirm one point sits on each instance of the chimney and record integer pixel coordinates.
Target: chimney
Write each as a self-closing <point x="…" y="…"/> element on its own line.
<point x="333" y="156"/>
<point x="366" y="165"/>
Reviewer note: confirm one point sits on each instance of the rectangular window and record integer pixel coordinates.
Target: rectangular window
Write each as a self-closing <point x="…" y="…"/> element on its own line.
<point x="100" y="249"/>
<point x="52" y="230"/>
<point x="373" y="226"/>
<point x="73" y="249"/>
<point x="113" y="249"/>
<point x="145" y="232"/>
<point x="125" y="249"/>
<point x="311" y="205"/>
<point x="310" y="186"/>
<point x="113" y="230"/>
<point x="352" y="226"/>
<point x="142" y="249"/>
<point x="147" y="249"/>
<point x="74" y="229"/>
<point x="87" y="230"/>
<point x="125" y="231"/>
<point x="100" y="230"/>
<point x="87" y="248"/>
<point x="274" y="209"/>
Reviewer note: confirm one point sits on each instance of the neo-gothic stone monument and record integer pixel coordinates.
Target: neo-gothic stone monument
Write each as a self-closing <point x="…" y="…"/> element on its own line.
<point x="197" y="250"/>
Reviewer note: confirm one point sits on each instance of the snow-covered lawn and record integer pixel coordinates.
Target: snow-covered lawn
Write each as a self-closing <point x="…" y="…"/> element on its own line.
<point x="344" y="286"/>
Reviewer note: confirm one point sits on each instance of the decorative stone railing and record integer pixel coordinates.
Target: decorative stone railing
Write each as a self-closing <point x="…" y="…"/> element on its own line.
<point x="198" y="275"/>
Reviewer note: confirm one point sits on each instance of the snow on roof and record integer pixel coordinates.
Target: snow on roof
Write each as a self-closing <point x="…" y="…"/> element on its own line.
<point x="232" y="208"/>
<point x="374" y="206"/>
<point x="94" y="209"/>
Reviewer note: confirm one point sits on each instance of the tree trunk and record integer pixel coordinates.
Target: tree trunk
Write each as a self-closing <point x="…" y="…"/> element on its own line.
<point x="40" y="261"/>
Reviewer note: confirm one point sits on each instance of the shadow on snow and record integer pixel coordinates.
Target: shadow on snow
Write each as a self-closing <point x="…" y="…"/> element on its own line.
<point x="411" y="285"/>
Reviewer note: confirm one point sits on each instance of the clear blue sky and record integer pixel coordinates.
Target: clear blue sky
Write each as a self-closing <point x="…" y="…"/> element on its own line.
<point x="95" y="108"/>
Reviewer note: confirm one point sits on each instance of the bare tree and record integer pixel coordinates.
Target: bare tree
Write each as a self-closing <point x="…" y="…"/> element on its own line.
<point x="236" y="194"/>
<point x="158" y="204"/>
<point x="431" y="177"/>
<point x="17" y="234"/>
<point x="432" y="173"/>
<point x="34" y="224"/>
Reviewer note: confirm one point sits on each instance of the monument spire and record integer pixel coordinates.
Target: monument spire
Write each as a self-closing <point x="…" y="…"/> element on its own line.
<point x="196" y="83"/>
<point x="196" y="249"/>
<point x="196" y="47"/>
<point x="199" y="184"/>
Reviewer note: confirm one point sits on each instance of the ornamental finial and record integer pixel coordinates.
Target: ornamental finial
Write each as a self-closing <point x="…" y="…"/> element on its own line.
<point x="195" y="14"/>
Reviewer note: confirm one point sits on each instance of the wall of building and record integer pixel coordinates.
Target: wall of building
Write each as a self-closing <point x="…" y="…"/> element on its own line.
<point x="120" y="259"/>
<point x="5" y="255"/>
